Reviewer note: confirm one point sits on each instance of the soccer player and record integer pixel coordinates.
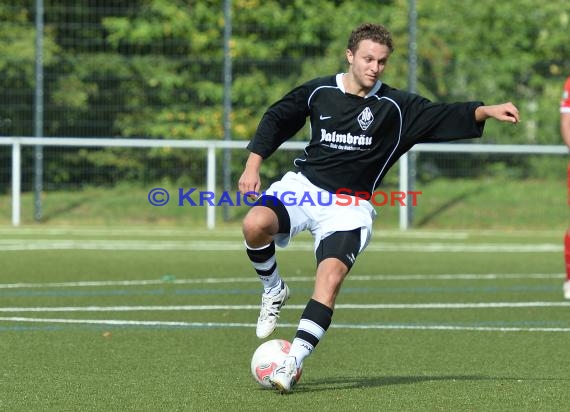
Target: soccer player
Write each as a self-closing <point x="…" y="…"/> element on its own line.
<point x="360" y="126"/>
<point x="565" y="132"/>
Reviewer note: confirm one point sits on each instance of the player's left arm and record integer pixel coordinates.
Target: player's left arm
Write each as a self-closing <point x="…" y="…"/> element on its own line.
<point x="505" y="112"/>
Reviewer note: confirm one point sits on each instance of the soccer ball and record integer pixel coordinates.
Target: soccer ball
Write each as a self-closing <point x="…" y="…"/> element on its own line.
<point x="267" y="357"/>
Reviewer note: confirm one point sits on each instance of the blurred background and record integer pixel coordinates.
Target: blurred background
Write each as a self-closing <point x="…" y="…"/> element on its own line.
<point x="207" y="70"/>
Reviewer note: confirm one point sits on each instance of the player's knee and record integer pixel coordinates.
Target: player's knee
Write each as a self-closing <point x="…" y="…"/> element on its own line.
<point x="334" y="271"/>
<point x="259" y="222"/>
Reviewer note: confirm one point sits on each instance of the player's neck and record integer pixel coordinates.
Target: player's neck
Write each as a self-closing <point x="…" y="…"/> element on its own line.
<point x="352" y="87"/>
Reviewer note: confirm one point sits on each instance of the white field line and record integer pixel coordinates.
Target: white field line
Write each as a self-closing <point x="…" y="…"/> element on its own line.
<point x="383" y="306"/>
<point x="230" y="245"/>
<point x="201" y="233"/>
<point x="253" y="279"/>
<point x="114" y="322"/>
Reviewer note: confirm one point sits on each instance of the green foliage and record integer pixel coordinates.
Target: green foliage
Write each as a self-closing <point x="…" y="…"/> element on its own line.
<point x="17" y="66"/>
<point x="154" y="68"/>
<point x="494" y="52"/>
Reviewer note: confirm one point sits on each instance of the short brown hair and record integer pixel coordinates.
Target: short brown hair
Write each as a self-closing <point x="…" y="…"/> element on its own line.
<point x="369" y="31"/>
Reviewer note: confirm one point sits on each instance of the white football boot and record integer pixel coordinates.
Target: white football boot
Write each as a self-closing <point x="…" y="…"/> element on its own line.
<point x="269" y="313"/>
<point x="285" y="376"/>
<point x="566" y="289"/>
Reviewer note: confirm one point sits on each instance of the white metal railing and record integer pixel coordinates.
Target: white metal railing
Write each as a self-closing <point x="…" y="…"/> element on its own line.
<point x="209" y="145"/>
<point x="212" y="145"/>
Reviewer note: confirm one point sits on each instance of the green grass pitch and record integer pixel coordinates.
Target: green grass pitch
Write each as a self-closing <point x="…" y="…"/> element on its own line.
<point x="143" y="319"/>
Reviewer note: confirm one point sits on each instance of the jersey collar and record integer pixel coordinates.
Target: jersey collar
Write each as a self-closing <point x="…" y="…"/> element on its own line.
<point x="372" y="91"/>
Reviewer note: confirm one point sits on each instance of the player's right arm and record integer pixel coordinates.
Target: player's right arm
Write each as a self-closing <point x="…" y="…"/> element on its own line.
<point x="280" y="122"/>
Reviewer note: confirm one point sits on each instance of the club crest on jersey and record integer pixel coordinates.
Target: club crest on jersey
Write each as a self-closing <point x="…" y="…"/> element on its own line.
<point x="365" y="118"/>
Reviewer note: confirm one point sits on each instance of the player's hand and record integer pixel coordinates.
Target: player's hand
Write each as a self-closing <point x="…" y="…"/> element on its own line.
<point x="506" y="112"/>
<point x="249" y="182"/>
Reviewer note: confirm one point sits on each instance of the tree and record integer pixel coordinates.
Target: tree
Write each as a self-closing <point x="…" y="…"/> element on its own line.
<point x="154" y="68"/>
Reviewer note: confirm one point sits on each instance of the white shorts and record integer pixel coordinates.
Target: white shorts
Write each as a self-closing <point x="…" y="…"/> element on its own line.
<point x="314" y="209"/>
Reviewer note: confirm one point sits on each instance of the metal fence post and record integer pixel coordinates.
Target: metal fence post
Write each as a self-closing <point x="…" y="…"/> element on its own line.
<point x="211" y="185"/>
<point x="16" y="181"/>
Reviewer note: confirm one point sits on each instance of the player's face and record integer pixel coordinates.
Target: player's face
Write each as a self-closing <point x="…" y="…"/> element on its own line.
<point x="368" y="62"/>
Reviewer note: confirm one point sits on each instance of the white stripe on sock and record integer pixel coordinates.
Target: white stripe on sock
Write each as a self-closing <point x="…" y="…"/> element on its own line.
<point x="268" y="264"/>
<point x="311" y="327"/>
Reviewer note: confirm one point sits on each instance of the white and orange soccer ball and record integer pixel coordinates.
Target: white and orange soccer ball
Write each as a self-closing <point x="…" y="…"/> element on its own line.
<point x="268" y="356"/>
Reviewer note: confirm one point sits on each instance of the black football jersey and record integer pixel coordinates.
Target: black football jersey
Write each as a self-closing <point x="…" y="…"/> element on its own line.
<point x="355" y="140"/>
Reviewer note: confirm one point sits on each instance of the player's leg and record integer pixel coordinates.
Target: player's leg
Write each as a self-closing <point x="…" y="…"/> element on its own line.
<point x="335" y="256"/>
<point x="260" y="225"/>
<point x="567" y="248"/>
<point x="567" y="262"/>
